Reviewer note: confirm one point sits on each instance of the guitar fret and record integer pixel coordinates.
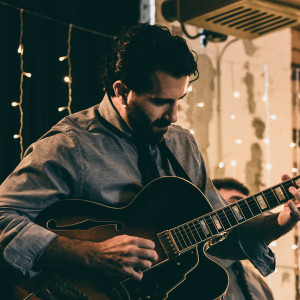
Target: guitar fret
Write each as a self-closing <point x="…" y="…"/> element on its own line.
<point x="183" y="243"/>
<point x="230" y="215"/>
<point x="245" y="209"/>
<point x="261" y="202"/>
<point x="196" y="230"/>
<point x="191" y="225"/>
<point x="270" y="198"/>
<point x="204" y="227"/>
<point x="217" y="222"/>
<point x="280" y="194"/>
<point x="276" y="196"/>
<point x="176" y="239"/>
<point x="190" y="234"/>
<point x="247" y="204"/>
<point x="199" y="229"/>
<point x="255" y="209"/>
<point x="237" y="212"/>
<point x="210" y="224"/>
<point x="223" y="219"/>
<point x="187" y="240"/>
<point x="285" y="185"/>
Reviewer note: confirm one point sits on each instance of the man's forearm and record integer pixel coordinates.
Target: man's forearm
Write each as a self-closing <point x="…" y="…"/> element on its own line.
<point x="64" y="252"/>
<point x="122" y="256"/>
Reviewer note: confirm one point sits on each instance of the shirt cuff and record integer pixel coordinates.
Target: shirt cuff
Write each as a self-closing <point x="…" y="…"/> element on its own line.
<point x="260" y="255"/>
<point x="27" y="247"/>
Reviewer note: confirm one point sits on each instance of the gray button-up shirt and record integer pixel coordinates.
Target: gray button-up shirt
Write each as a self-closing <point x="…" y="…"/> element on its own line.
<point x="91" y="157"/>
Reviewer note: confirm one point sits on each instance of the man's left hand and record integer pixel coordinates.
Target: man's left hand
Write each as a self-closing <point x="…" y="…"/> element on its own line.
<point x="290" y="214"/>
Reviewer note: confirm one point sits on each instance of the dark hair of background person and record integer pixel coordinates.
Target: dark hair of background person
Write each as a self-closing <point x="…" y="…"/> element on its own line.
<point x="230" y="184"/>
<point x="138" y="51"/>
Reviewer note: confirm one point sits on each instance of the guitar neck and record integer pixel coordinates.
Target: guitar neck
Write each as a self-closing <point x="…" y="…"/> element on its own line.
<point x="222" y="220"/>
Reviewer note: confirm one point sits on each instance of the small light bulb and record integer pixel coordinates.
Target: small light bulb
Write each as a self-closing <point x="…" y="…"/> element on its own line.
<point x="27" y="74"/>
<point x="273" y="117"/>
<point x="190" y="88"/>
<point x="14" y="104"/>
<point x="20" y="49"/>
<point x="274" y="244"/>
<point x="66" y="79"/>
<point x="200" y="104"/>
<point x="265" y="98"/>
<point x="269" y="166"/>
<point x="221" y="165"/>
<point x="233" y="163"/>
<point x="267" y="141"/>
<point x="294" y="247"/>
<point x="238" y="141"/>
<point x="295" y="170"/>
<point x="62" y="58"/>
<point x="62" y="108"/>
<point x="16" y="136"/>
<point x="236" y="94"/>
<point x="232" y="117"/>
<point x="292" y="145"/>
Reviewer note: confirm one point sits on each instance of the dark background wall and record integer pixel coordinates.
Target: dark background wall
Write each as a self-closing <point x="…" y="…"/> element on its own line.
<point x="44" y="42"/>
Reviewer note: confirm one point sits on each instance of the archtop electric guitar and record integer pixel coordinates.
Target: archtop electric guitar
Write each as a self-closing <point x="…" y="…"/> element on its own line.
<point x="173" y="213"/>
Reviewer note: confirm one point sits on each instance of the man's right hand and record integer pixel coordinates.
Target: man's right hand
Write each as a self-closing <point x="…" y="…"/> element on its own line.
<point x="124" y="255"/>
<point x="121" y="256"/>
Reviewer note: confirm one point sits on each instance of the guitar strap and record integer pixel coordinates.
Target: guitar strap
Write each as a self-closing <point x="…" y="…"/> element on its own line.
<point x="176" y="166"/>
<point x="239" y="272"/>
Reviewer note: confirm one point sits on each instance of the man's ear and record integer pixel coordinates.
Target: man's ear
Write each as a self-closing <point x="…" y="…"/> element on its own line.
<point x="121" y="91"/>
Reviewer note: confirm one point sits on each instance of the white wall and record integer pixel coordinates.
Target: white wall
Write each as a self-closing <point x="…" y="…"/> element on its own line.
<point x="243" y="67"/>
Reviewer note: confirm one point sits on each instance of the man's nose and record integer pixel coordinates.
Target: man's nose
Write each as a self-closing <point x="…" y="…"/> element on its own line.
<point x="172" y="112"/>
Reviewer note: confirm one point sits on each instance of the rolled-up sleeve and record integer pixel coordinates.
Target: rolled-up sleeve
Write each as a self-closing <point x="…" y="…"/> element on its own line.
<point x="51" y="170"/>
<point x="252" y="244"/>
<point x="244" y="241"/>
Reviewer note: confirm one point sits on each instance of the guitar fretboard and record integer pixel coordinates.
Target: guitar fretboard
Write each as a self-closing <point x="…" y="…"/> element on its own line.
<point x="219" y="221"/>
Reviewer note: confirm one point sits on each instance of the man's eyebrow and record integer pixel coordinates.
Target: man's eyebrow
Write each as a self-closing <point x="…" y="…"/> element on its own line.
<point x="167" y="99"/>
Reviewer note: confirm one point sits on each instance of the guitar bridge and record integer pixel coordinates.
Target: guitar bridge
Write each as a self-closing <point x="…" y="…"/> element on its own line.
<point x="168" y="243"/>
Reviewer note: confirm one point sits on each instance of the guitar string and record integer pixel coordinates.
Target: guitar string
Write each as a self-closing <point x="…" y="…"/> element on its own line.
<point x="224" y="219"/>
<point x="185" y="236"/>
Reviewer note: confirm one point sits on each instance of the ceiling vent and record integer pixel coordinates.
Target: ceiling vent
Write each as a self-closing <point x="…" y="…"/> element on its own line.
<point x="242" y="18"/>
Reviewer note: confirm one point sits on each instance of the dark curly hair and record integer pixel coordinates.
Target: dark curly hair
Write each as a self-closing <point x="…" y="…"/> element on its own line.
<point x="139" y="51"/>
<point x="230" y="184"/>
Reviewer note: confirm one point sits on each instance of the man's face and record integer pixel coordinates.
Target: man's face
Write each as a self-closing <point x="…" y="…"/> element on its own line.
<point x="232" y="195"/>
<point x="150" y="114"/>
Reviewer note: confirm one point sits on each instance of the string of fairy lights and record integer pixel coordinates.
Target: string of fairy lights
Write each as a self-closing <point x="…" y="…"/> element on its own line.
<point x="297" y="141"/>
<point x="297" y="120"/>
<point x="267" y="135"/>
<point x="68" y="78"/>
<point x="269" y="117"/>
<point x="67" y="57"/>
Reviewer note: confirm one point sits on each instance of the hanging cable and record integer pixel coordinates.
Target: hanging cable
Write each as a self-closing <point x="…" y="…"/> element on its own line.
<point x="57" y="21"/>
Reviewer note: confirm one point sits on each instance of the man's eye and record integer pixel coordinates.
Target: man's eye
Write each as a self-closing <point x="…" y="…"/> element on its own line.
<point x="160" y="101"/>
<point x="236" y="198"/>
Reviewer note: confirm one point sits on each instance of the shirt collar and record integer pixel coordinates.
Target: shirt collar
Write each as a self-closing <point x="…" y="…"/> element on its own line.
<point x="108" y="111"/>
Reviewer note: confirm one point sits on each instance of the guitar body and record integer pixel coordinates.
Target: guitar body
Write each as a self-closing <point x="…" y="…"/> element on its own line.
<point x="161" y="205"/>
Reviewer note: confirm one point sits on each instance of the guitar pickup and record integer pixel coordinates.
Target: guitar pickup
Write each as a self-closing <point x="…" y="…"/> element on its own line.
<point x="168" y="243"/>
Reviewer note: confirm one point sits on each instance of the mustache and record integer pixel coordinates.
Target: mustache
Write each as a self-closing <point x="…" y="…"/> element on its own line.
<point x="161" y="123"/>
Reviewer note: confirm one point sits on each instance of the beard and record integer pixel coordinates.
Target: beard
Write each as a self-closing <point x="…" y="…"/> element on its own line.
<point x="142" y="126"/>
